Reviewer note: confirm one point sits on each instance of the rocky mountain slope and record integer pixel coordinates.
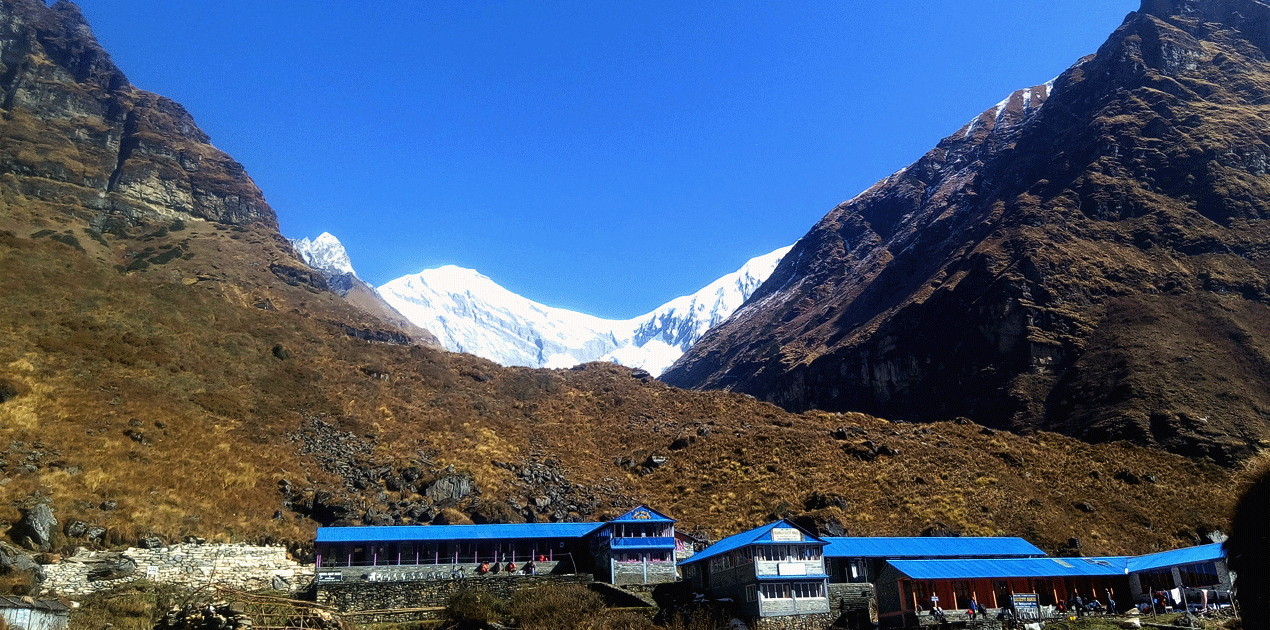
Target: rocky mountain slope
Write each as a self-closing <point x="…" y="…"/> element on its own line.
<point x="168" y="368"/>
<point x="327" y="256"/>
<point x="471" y="313"/>
<point x="1089" y="256"/>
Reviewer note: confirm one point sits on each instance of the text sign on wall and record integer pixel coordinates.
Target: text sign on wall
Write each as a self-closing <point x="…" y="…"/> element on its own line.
<point x="786" y="534"/>
<point x="1026" y="605"/>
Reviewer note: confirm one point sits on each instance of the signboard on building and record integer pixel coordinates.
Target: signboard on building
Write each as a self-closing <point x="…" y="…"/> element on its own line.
<point x="786" y="534"/>
<point x="1026" y="605"/>
<point x="329" y="577"/>
<point x="791" y="568"/>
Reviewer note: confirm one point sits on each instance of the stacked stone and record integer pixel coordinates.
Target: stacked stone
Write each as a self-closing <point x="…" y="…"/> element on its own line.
<point x="238" y="566"/>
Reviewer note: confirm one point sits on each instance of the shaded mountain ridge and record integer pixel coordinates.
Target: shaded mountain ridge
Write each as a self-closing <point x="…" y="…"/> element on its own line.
<point x="1078" y="258"/>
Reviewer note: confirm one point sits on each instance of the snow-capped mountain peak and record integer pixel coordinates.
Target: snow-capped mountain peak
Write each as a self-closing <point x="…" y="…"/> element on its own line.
<point x="324" y="253"/>
<point x="471" y="313"/>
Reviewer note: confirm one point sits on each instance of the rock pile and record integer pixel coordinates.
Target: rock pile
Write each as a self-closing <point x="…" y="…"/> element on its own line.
<point x="234" y="616"/>
<point x="211" y="617"/>
<point x="237" y="566"/>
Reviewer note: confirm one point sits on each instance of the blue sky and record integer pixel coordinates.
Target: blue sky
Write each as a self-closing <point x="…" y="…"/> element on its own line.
<point x="599" y="156"/>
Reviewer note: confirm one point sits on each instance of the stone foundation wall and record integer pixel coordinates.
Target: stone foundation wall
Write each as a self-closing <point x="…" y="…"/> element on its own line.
<point x="844" y="597"/>
<point x="814" y="621"/>
<point x="362" y="596"/>
<point x="636" y="573"/>
<point x="243" y="567"/>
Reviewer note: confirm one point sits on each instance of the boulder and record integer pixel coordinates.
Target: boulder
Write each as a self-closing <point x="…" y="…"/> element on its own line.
<point x="151" y="542"/>
<point x="112" y="569"/>
<point x="76" y="529"/>
<point x="450" y="487"/>
<point x="34" y="530"/>
<point x="14" y="560"/>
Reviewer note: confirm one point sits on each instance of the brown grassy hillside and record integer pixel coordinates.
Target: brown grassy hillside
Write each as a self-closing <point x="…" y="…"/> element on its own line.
<point x="187" y="392"/>
<point x="168" y="367"/>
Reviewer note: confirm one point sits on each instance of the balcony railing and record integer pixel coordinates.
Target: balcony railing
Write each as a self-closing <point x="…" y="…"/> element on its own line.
<point x="646" y="541"/>
<point x="792" y="567"/>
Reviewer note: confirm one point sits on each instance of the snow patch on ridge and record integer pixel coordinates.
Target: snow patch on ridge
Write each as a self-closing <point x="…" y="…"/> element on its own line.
<point x="1031" y="99"/>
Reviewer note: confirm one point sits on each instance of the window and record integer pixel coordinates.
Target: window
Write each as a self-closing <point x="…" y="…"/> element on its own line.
<point x="800" y="590"/>
<point x="806" y="590"/>
<point x="1202" y="574"/>
<point x="855" y="570"/>
<point x="751" y="593"/>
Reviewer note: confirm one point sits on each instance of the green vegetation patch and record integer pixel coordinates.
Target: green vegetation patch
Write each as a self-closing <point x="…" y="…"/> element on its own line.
<point x="96" y="236"/>
<point x="66" y="238"/>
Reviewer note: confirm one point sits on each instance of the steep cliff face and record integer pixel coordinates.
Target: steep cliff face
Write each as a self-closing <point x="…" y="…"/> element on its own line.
<point x="1090" y="255"/>
<point x="126" y="177"/>
<point x="74" y="129"/>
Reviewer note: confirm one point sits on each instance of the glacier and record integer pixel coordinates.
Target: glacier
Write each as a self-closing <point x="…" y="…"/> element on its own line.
<point x="471" y="313"/>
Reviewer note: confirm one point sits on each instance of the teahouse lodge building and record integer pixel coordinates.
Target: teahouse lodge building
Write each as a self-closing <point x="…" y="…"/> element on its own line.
<point x="635" y="548"/>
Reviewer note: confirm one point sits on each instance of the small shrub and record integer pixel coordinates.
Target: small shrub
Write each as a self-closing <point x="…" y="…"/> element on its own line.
<point x="470" y="608"/>
<point x="623" y="620"/>
<point x="166" y="257"/>
<point x="96" y="236"/>
<point x="699" y="619"/>
<point x="555" y="607"/>
<point x="68" y="239"/>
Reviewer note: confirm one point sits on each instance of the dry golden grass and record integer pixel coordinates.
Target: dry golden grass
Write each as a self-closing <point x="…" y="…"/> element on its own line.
<point x="104" y="354"/>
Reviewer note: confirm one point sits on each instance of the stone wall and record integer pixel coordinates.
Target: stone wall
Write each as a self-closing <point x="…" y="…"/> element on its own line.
<point x="364" y="595"/>
<point x="844" y="597"/>
<point x="644" y="572"/>
<point x="239" y="566"/>
<point x="815" y="621"/>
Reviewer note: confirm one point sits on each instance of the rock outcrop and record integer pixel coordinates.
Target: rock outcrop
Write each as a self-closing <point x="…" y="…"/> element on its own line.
<point x="34" y="530"/>
<point x="1088" y="256"/>
<point x="75" y="130"/>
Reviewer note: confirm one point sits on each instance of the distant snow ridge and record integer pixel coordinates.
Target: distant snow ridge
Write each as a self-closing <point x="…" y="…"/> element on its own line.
<point x="324" y="253"/>
<point x="470" y="313"/>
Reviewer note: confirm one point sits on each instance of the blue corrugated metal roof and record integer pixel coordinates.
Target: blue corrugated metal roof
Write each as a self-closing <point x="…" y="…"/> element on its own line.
<point x="1176" y="557"/>
<point x="930" y="547"/>
<point x="403" y="533"/>
<point x="981" y="568"/>
<point x="758" y="534"/>
<point x="643" y="514"/>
